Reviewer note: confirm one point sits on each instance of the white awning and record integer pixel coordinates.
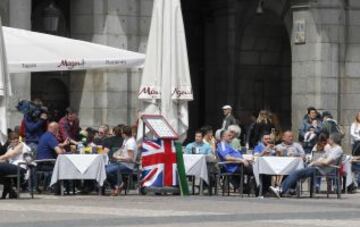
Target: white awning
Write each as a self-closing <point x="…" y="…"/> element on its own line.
<point x="28" y="51"/>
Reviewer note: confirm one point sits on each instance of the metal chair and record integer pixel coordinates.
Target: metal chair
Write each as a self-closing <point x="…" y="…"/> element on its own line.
<point x="42" y="173"/>
<point x="128" y="178"/>
<point x="17" y="177"/>
<point x="225" y="177"/>
<point x="333" y="177"/>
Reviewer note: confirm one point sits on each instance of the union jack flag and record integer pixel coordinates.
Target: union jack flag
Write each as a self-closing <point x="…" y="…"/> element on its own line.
<point x="158" y="160"/>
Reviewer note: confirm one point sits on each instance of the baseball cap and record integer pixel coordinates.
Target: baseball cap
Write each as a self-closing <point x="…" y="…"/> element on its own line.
<point x="226" y="107"/>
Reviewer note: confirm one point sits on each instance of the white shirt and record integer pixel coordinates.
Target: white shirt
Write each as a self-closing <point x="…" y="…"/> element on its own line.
<point x="129" y="144"/>
<point x="20" y="157"/>
<point x="355" y="132"/>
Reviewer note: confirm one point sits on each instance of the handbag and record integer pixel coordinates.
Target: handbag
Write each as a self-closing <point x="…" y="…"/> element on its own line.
<point x="356" y="149"/>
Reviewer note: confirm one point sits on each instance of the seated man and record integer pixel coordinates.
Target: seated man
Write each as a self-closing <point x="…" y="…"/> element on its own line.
<point x="198" y="146"/>
<point x="332" y="155"/>
<point x="103" y="133"/>
<point x="265" y="147"/>
<point x="229" y="154"/>
<point x="49" y="148"/>
<point x="288" y="147"/>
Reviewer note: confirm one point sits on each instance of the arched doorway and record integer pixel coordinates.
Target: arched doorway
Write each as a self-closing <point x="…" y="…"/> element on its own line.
<point x="238" y="57"/>
<point x="52" y="91"/>
<point x="52" y="17"/>
<point x="263" y="75"/>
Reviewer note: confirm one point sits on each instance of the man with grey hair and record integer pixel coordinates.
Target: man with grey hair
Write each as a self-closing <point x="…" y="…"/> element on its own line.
<point x="235" y="131"/>
<point x="332" y="156"/>
<point x="234" y="158"/>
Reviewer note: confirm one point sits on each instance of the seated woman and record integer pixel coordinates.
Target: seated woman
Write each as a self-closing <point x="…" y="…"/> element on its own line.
<point x="9" y="162"/>
<point x="125" y="162"/>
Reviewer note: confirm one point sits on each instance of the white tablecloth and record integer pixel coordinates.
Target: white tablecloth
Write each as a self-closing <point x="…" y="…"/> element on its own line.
<point x="276" y="166"/>
<point x="81" y="167"/>
<point x="195" y="165"/>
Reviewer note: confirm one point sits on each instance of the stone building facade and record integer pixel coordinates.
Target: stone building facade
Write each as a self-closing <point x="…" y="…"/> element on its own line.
<point x="282" y="55"/>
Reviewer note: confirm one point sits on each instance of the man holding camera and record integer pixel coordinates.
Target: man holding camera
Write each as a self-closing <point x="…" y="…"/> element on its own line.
<point x="35" y="124"/>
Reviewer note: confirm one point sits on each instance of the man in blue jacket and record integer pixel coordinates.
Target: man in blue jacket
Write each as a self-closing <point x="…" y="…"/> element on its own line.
<point x="34" y="129"/>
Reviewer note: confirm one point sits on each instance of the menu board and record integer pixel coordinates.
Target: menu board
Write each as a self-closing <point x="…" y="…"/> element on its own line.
<point x="159" y="126"/>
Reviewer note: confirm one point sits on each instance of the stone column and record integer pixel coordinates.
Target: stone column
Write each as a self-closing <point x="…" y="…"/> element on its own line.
<point x="21" y="83"/>
<point x="350" y="86"/>
<point x="316" y="63"/>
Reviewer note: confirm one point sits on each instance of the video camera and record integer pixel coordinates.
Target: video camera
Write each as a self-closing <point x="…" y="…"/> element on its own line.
<point x="31" y="109"/>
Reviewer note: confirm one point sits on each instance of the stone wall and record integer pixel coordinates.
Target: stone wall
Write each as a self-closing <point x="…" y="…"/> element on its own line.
<point x="325" y="68"/>
<point x="109" y="96"/>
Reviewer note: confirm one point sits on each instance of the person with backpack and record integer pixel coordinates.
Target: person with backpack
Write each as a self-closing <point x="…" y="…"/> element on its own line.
<point x="329" y="125"/>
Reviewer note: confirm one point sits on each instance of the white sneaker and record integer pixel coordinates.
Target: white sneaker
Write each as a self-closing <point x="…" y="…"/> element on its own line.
<point x="276" y="191"/>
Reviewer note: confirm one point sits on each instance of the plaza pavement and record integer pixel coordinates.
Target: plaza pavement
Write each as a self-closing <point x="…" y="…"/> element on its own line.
<point x="134" y="210"/>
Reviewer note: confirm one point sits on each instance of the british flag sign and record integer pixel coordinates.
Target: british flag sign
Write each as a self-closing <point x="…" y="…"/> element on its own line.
<point x="158" y="160"/>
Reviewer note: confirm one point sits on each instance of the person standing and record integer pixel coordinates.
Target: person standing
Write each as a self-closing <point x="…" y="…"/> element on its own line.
<point x="329" y="125"/>
<point x="355" y="132"/>
<point x="355" y="143"/>
<point x="69" y="127"/>
<point x="34" y="124"/>
<point x="310" y="120"/>
<point x="262" y="126"/>
<point x="229" y="119"/>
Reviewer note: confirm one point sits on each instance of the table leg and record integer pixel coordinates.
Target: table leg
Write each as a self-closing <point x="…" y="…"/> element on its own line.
<point x="260" y="185"/>
<point x="61" y="187"/>
<point x="201" y="187"/>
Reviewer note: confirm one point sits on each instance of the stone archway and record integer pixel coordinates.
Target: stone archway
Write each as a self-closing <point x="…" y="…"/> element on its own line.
<point x="239" y="58"/>
<point x="263" y="68"/>
<point x="52" y="91"/>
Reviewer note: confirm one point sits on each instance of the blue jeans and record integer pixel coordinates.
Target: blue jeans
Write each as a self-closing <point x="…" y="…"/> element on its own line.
<point x="114" y="171"/>
<point x="291" y="180"/>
